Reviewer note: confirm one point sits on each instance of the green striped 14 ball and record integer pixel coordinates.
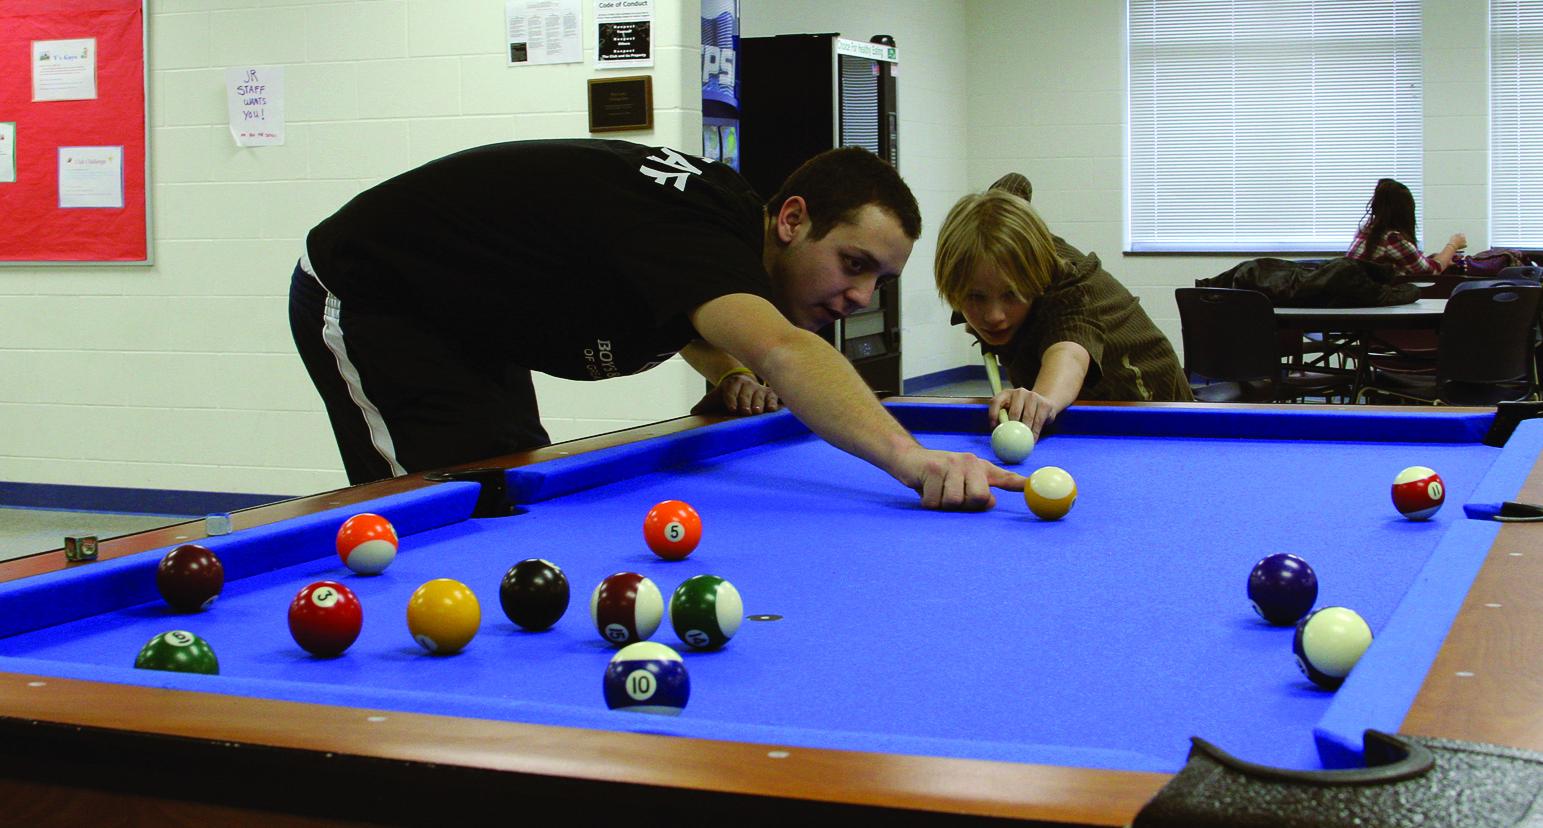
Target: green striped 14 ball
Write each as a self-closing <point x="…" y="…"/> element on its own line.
<point x="706" y="611"/>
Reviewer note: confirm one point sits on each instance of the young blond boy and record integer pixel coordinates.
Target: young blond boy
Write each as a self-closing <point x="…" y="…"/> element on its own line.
<point x="1064" y="328"/>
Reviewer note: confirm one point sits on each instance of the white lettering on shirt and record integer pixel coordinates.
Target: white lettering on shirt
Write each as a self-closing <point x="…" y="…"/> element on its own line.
<point x="682" y="168"/>
<point x="599" y="361"/>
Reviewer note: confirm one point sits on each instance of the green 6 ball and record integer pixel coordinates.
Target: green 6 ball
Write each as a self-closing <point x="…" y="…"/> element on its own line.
<point x="178" y="651"/>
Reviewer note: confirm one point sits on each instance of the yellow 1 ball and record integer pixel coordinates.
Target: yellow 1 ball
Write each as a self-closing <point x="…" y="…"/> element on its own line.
<point x="443" y="616"/>
<point x="1050" y="493"/>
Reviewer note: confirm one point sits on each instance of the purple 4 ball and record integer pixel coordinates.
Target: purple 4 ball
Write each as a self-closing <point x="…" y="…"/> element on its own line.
<point x="1282" y="588"/>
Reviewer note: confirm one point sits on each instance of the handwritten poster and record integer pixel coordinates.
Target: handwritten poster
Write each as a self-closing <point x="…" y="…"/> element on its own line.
<point x="255" y="96"/>
<point x="64" y="70"/>
<point x="624" y="33"/>
<point x="543" y="31"/>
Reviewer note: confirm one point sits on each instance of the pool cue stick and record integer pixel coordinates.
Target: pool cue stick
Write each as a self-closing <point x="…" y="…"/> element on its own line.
<point x="994" y="376"/>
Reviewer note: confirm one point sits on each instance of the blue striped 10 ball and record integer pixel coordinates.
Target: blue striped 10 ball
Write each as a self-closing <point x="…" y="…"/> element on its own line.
<point x="647" y="677"/>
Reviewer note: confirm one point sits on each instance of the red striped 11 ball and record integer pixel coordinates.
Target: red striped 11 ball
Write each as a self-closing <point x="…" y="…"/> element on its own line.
<point x="1418" y="492"/>
<point x="706" y="611"/>
<point x="646" y="677"/>
<point x="190" y="577"/>
<point x="325" y="618"/>
<point x="626" y="607"/>
<point x="367" y="543"/>
<point x="672" y="529"/>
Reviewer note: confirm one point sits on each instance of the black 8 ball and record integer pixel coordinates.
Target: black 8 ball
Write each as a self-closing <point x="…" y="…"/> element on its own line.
<point x="534" y="594"/>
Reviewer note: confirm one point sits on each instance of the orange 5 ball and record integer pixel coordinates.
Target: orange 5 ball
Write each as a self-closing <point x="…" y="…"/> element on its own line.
<point x="672" y="529"/>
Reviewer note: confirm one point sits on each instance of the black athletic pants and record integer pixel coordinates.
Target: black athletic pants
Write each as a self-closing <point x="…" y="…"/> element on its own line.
<point x="404" y="396"/>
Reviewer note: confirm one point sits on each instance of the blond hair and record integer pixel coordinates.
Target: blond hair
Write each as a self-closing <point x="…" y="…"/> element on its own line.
<point x="998" y="228"/>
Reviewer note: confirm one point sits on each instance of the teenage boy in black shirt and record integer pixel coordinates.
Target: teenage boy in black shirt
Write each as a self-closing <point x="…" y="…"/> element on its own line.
<point x="422" y="306"/>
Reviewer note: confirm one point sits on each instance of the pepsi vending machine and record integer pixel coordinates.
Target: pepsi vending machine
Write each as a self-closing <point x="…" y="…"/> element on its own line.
<point x="720" y="101"/>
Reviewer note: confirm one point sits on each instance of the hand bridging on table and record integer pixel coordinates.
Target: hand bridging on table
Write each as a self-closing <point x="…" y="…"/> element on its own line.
<point x="954" y="480"/>
<point x="738" y="394"/>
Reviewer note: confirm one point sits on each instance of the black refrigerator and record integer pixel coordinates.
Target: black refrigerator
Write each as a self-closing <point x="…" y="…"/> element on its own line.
<point x="800" y="95"/>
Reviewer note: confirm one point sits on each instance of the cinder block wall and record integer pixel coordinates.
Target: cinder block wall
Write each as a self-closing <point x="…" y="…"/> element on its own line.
<point x="182" y="375"/>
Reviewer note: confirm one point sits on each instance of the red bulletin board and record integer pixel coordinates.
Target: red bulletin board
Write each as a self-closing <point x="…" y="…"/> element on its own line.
<point x="33" y="227"/>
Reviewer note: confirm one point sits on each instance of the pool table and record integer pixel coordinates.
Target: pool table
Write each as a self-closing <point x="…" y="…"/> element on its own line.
<point x="896" y="663"/>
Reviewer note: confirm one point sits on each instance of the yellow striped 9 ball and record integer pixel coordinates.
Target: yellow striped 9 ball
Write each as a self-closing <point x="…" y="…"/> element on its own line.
<point x="1050" y="493"/>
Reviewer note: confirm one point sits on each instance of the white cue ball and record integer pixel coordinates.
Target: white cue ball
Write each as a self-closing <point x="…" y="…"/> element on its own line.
<point x="1012" y="441"/>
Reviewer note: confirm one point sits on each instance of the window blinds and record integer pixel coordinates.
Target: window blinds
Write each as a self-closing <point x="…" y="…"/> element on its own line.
<point x="1263" y="125"/>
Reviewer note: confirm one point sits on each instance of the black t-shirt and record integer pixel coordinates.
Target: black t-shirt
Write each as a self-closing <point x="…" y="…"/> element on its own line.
<point x="577" y="258"/>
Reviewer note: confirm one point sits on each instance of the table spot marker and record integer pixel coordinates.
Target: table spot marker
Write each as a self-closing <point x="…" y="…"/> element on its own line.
<point x="767" y="617"/>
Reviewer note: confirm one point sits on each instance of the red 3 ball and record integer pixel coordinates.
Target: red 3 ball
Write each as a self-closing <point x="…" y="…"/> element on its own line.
<point x="1418" y="492"/>
<point x="325" y="618"/>
<point x="672" y="529"/>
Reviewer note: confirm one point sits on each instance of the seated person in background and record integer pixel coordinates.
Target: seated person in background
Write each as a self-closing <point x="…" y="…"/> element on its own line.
<point x="1386" y="236"/>
<point x="1065" y="328"/>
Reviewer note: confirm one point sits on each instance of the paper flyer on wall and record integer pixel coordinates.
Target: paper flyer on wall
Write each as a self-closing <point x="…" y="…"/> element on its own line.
<point x="7" y="152"/>
<point x="91" y="177"/>
<point x="255" y="103"/>
<point x="64" y="70"/>
<point x="624" y="33"/>
<point x="543" y="31"/>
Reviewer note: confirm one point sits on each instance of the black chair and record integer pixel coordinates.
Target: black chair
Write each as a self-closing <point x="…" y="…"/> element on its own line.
<point x="1409" y="353"/>
<point x="1484" y="352"/>
<point x="1231" y="340"/>
<point x="1528" y="271"/>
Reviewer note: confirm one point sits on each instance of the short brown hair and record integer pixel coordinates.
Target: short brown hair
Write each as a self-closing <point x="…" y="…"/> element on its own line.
<point x="1002" y="229"/>
<point x="837" y="183"/>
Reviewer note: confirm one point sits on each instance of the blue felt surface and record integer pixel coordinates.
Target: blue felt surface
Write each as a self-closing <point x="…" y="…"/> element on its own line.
<point x="1383" y="684"/>
<point x="1103" y="640"/>
<point x="34" y="603"/>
